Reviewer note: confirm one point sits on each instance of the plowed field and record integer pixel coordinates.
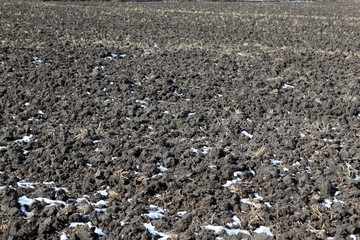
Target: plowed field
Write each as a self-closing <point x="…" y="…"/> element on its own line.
<point x="179" y="120"/>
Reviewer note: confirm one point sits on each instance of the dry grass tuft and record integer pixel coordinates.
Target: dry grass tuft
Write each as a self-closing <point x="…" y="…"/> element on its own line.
<point x="320" y="233"/>
<point x="316" y="212"/>
<point x="120" y="173"/>
<point x="256" y="215"/>
<point x="4" y="225"/>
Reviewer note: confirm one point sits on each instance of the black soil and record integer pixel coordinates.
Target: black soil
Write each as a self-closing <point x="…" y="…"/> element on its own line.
<point x="243" y="116"/>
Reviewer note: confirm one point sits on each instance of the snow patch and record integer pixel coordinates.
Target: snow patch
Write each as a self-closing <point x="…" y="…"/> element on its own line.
<point x="206" y="149"/>
<point x="112" y="57"/>
<point x="353" y="236"/>
<point x="29" y="201"/>
<point x="100" y="203"/>
<point x="155" y="214"/>
<point x="50" y="202"/>
<point x="177" y="94"/>
<point x="36" y="60"/>
<point x="247" y="134"/>
<point x="182" y="213"/>
<point x="49" y="183"/>
<point x="24" y="184"/>
<point x="275" y="162"/>
<point x="287" y="86"/>
<point x="25" y="201"/>
<point x="328" y="203"/>
<point x="258" y="197"/>
<point x="252" y="171"/>
<point x="63" y="236"/>
<point x="103" y="192"/>
<point x="97" y="230"/>
<point x="248" y="201"/>
<point x="25" y="139"/>
<point x="162" y="169"/>
<point x="147" y="51"/>
<point x="235" y="222"/>
<point x="238" y="174"/>
<point x="229" y="231"/>
<point x="265" y="230"/>
<point x="228" y="183"/>
<point x="153" y="231"/>
<point x="194" y="150"/>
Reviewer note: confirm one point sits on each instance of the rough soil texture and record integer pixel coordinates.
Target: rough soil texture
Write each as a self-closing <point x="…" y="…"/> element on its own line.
<point x="179" y="121"/>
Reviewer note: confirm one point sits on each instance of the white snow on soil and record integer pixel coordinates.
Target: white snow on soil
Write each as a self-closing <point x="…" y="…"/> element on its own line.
<point x="25" y="139"/>
<point x="182" y="213"/>
<point x="229" y="231"/>
<point x="104" y="192"/>
<point x="238" y="173"/>
<point x="100" y="203"/>
<point x="327" y="202"/>
<point x="24" y="200"/>
<point x="353" y="236"/>
<point x="36" y="60"/>
<point x="97" y="230"/>
<point x="153" y="231"/>
<point x="247" y="134"/>
<point x="206" y="149"/>
<point x="265" y="230"/>
<point x="248" y="201"/>
<point x="275" y="162"/>
<point x="177" y="94"/>
<point x="352" y="170"/>
<point x="162" y="169"/>
<point x="112" y="57"/>
<point x="63" y="236"/>
<point x="252" y="171"/>
<point x="143" y="102"/>
<point x="228" y="183"/>
<point x="287" y="86"/>
<point x="156" y="175"/>
<point x="194" y="150"/>
<point x="61" y="188"/>
<point x="50" y="202"/>
<point x="147" y="51"/>
<point x="155" y="212"/>
<point x="235" y="222"/>
<point x="231" y="182"/>
<point x="258" y="197"/>
<point x="24" y="184"/>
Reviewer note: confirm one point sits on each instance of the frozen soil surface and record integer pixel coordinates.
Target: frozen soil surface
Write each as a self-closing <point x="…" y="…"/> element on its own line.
<point x="179" y="121"/>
